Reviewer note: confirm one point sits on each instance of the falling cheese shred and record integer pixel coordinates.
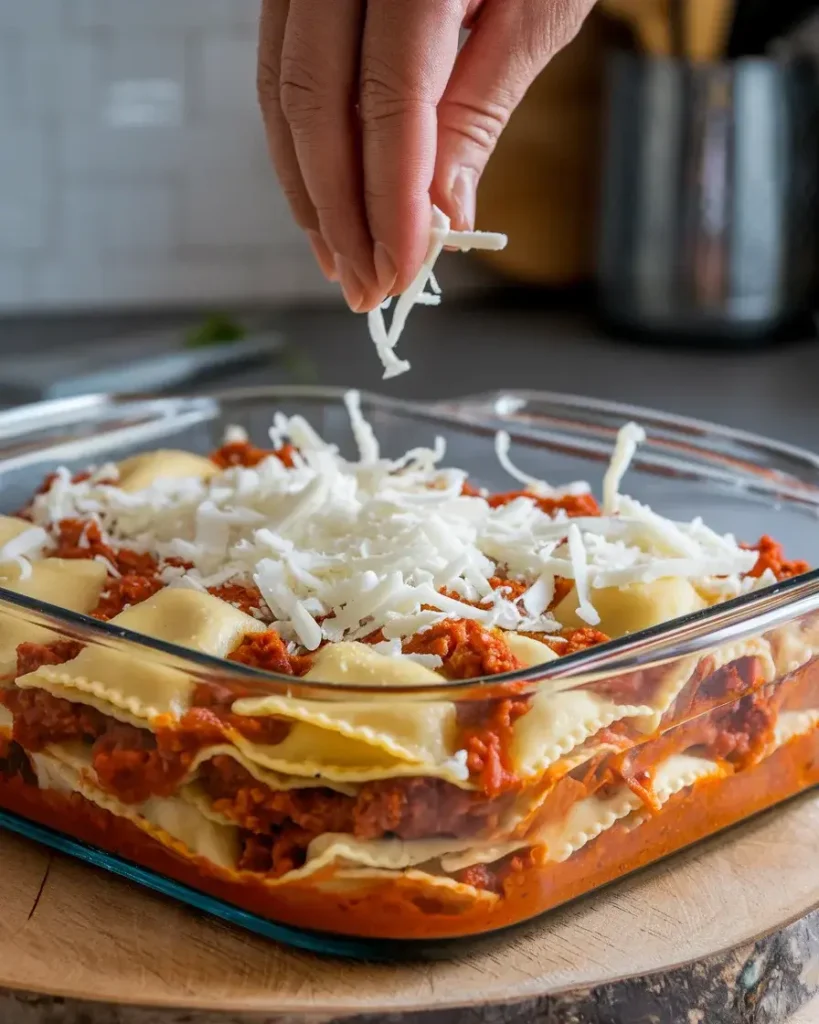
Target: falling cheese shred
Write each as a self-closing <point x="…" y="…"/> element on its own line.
<point x="341" y="548"/>
<point x="441" y="236"/>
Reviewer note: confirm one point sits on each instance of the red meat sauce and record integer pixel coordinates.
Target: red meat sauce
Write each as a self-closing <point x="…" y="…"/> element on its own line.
<point x="135" y="763"/>
<point x="771" y="556"/>
<point x="243" y="453"/>
<point x="574" y="505"/>
<point x="283" y="823"/>
<point x="278" y="826"/>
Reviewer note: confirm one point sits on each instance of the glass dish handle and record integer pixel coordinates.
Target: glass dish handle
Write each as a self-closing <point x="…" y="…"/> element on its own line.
<point x="676" y="445"/>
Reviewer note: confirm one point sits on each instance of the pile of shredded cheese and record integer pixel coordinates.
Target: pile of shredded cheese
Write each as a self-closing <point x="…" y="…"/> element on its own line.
<point x="440" y="237"/>
<point x="342" y="548"/>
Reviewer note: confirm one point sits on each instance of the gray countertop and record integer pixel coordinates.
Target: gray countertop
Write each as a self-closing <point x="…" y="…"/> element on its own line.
<point x="457" y="350"/>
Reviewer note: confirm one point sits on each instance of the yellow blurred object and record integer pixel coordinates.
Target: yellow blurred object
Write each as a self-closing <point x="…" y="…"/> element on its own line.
<point x="541" y="187"/>
<point x="707" y="26"/>
<point x="542" y="183"/>
<point x="650" y="20"/>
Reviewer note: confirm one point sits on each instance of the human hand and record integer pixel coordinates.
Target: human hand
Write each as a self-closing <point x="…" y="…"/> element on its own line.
<point x="372" y="114"/>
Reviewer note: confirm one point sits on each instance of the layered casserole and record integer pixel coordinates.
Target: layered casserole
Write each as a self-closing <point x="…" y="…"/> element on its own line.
<point x="357" y="782"/>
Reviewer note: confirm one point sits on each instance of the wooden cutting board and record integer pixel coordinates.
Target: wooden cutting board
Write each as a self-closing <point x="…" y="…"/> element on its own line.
<point x="728" y="931"/>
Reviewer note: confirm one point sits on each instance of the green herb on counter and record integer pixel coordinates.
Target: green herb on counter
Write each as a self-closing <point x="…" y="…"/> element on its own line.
<point x="218" y="329"/>
<point x="301" y="368"/>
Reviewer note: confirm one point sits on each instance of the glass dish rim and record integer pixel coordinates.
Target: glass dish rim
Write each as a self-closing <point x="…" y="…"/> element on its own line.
<point x="728" y="621"/>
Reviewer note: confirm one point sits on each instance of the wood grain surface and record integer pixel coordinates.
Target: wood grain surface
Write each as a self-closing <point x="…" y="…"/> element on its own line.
<point x="728" y="931"/>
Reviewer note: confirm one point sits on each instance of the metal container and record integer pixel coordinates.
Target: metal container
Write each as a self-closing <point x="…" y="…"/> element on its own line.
<point x="709" y="210"/>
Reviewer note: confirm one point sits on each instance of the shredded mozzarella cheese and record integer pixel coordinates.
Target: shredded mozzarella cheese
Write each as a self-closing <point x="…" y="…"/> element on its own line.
<point x="440" y="237"/>
<point x="341" y="549"/>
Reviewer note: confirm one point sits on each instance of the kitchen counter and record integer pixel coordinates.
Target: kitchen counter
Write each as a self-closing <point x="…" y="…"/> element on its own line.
<point x="500" y="344"/>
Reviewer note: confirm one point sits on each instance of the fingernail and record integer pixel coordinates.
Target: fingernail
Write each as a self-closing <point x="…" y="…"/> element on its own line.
<point x="350" y="283"/>
<point x="464" y="198"/>
<point x="324" y="257"/>
<point x="385" y="269"/>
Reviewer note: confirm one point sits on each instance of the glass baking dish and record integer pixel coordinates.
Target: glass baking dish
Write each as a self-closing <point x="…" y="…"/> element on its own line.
<point x="718" y="709"/>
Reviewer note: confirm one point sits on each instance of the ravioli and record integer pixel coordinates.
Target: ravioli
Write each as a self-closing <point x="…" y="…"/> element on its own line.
<point x="556" y="723"/>
<point x="74" y="584"/>
<point x="795" y="644"/>
<point x="11" y="527"/>
<point x="352" y="664"/>
<point x="139" y="472"/>
<point x="338" y="734"/>
<point x="147" y="686"/>
<point x="312" y="751"/>
<point x="172" y="821"/>
<point x="638" y="606"/>
<point x="528" y="651"/>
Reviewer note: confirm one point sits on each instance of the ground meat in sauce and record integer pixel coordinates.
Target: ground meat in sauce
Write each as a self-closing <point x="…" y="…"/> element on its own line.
<point x="245" y="596"/>
<point x="466" y="648"/>
<point x="569" y="641"/>
<point x="482" y="877"/>
<point x="40" y="719"/>
<point x="129" y="764"/>
<point x="274" y="855"/>
<point x="211" y="710"/>
<point x="574" y="505"/>
<point x="33" y="656"/>
<point x="409" y="808"/>
<point x="256" y="807"/>
<point x="123" y="592"/>
<point x="487" y="728"/>
<point x="495" y="877"/>
<point x="243" y="453"/>
<point x="771" y="556"/>
<point x="78" y="538"/>
<point x="268" y="651"/>
<point x="744" y="730"/>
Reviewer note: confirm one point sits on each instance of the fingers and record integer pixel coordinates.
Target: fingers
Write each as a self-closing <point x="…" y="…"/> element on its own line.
<point x="510" y="44"/>
<point x="408" y="53"/>
<point x="319" y="93"/>
<point x="280" y="142"/>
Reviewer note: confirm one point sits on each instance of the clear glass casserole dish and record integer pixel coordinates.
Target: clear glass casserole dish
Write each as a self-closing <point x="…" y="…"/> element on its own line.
<point x="623" y="752"/>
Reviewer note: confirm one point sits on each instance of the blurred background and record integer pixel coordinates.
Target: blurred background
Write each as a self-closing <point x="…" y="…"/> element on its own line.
<point x="658" y="185"/>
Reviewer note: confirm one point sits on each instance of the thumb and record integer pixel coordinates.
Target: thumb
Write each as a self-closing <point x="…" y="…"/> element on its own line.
<point x="510" y="43"/>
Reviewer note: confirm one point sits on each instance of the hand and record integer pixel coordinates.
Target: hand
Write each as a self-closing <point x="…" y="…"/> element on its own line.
<point x="372" y="114"/>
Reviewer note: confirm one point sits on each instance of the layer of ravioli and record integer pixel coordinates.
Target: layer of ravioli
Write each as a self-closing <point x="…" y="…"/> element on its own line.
<point x="395" y="576"/>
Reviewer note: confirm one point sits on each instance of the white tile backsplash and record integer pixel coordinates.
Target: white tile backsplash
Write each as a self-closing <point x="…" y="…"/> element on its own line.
<point x="145" y="80"/>
<point x="228" y="68"/>
<point x="24" y="196"/>
<point x="59" y="77"/>
<point x="154" y="15"/>
<point x="45" y="17"/>
<point x="109" y="217"/>
<point x="15" y="282"/>
<point x="232" y="210"/>
<point x="9" y="74"/>
<point x="58" y="281"/>
<point x="127" y="153"/>
<point x="133" y="164"/>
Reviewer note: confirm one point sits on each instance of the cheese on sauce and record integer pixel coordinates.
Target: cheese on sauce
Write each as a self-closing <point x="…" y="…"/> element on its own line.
<point x="341" y="548"/>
